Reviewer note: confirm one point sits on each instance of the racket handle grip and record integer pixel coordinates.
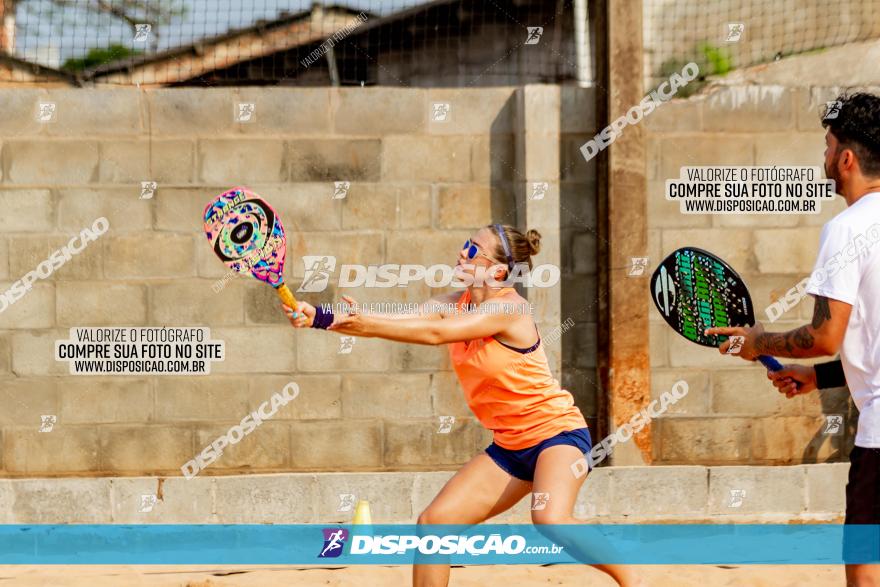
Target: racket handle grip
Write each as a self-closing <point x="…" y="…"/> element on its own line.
<point x="771" y="363"/>
<point x="286" y="295"/>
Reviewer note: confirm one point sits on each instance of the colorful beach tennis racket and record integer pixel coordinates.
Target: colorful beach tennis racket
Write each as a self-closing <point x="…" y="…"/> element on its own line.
<point x="695" y="290"/>
<point x="247" y="235"/>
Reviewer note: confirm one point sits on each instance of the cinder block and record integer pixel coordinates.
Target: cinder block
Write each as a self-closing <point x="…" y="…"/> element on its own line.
<point x="88" y="111"/>
<point x="417" y="442"/>
<point x="426" y="486"/>
<point x="658" y="347"/>
<point x="826" y="487"/>
<point x="286" y="110"/>
<point x="204" y="399"/>
<point x="790" y="250"/>
<point x="261" y="302"/>
<point x="189" y="112"/>
<point x="663" y="213"/>
<point x="657" y="491"/>
<point x="64" y="449"/>
<point x="20" y="108"/>
<point x="33" y="353"/>
<point x="371" y="205"/>
<point x="266" y="499"/>
<point x="79" y="208"/>
<point x="472" y="111"/>
<point x="810" y="104"/>
<point x="244" y="355"/>
<point x="149" y="255"/>
<point x="267" y="447"/>
<point x="414" y="207"/>
<point x="463" y="206"/>
<point x="89" y="303"/>
<point x="697" y="400"/>
<point x="133" y="449"/>
<point x="194" y="303"/>
<point x="25" y="399"/>
<point x="790" y="149"/>
<point x="378" y="110"/>
<point x="578" y="109"/>
<point x="348" y="248"/>
<point x="791" y="440"/>
<point x="419" y="357"/>
<point x="336" y="445"/>
<point x="241" y="161"/>
<point x="427" y="248"/>
<point x="381" y="396"/>
<point x="90" y="400"/>
<point x="676" y="116"/>
<point x="4" y="257"/>
<point x="305" y="206"/>
<point x="538" y="108"/>
<point x="586" y="339"/>
<point x="747" y="391"/>
<point x="319" y="395"/>
<point x="171" y="161"/>
<point x="27" y="252"/>
<point x="26" y="210"/>
<point x="320" y="352"/>
<point x="421" y="158"/>
<point x="183" y="209"/>
<point x="780" y="490"/>
<point x="126" y="162"/>
<point x="51" y="162"/>
<point x="702" y="440"/>
<point x="704" y="149"/>
<point x="578" y="208"/>
<point x="447" y="397"/>
<point x="389" y="495"/>
<point x="595" y="496"/>
<point x="180" y="501"/>
<point x="493" y="159"/>
<point x="750" y="109"/>
<point x="61" y="501"/>
<point x="35" y="309"/>
<point x="585" y="254"/>
<point x="334" y="159"/>
<point x="5" y="353"/>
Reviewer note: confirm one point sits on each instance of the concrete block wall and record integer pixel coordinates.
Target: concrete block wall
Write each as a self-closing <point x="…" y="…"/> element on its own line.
<point x="418" y="190"/>
<point x="732" y="414"/>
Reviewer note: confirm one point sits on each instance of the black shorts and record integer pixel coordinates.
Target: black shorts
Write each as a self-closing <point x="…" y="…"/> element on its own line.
<point x="862" y="545"/>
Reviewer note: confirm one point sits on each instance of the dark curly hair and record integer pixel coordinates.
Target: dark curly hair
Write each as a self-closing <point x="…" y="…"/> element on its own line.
<point x="854" y="119"/>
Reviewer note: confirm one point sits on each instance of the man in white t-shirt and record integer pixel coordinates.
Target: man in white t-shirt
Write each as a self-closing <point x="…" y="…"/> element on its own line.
<point x="846" y="318"/>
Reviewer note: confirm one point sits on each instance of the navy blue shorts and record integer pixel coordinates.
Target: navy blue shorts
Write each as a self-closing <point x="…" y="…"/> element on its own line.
<point x="521" y="463"/>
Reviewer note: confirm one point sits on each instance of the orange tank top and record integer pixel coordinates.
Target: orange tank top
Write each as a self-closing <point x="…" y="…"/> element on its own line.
<point x="512" y="393"/>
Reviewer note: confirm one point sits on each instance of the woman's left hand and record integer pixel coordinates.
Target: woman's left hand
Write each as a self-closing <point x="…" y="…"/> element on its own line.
<point x="351" y="323"/>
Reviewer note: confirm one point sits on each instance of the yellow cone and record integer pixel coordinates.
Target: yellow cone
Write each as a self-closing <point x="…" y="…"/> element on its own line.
<point x="362" y="512"/>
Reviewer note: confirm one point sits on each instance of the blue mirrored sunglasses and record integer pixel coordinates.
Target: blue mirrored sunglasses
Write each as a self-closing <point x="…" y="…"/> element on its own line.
<point x="472" y="249"/>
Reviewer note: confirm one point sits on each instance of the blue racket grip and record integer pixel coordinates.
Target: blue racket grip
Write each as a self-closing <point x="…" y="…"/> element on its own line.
<point x="771" y="363"/>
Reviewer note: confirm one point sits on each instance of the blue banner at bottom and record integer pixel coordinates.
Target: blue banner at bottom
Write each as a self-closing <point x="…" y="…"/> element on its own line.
<point x="488" y="544"/>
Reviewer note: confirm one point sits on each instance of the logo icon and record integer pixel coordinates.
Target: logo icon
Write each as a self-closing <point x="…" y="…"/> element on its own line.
<point x="317" y="272"/>
<point x="833" y="425"/>
<point x="346" y="345"/>
<point x="148" y="189"/>
<point x="147" y="503"/>
<point x="245" y="112"/>
<point x="141" y="32"/>
<point x="539" y="190"/>
<point x="664" y="291"/>
<point x="737" y="497"/>
<point x="440" y="111"/>
<point x="446" y="424"/>
<point x="346" y="502"/>
<point x="46" y="112"/>
<point x="735" y="31"/>
<point x="340" y="189"/>
<point x="534" y="35"/>
<point x="736" y="345"/>
<point x="540" y="500"/>
<point x="334" y="542"/>
<point x="47" y="422"/>
<point x="638" y="266"/>
<point x="832" y="110"/>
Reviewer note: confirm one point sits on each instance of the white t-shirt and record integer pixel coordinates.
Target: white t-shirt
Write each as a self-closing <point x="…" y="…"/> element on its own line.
<point x="848" y="269"/>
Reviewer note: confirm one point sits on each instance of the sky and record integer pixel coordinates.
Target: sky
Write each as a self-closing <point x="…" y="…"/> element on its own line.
<point x="49" y="35"/>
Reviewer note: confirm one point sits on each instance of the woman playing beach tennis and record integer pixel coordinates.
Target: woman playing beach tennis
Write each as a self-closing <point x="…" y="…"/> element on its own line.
<point x="540" y="436"/>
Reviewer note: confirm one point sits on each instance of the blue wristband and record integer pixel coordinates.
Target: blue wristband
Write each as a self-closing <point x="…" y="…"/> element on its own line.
<point x="323" y="318"/>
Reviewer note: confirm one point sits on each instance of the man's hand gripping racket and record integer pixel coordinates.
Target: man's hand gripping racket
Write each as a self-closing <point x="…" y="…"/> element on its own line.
<point x="247" y="235"/>
<point x="694" y="291"/>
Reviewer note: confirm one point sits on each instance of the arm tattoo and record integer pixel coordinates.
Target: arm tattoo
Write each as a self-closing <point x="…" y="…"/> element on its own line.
<point x="785" y="343"/>
<point x="821" y="312"/>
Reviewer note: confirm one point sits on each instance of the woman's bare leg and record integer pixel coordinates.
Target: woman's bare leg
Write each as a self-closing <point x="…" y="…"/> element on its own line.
<point x="479" y="491"/>
<point x="554" y="476"/>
